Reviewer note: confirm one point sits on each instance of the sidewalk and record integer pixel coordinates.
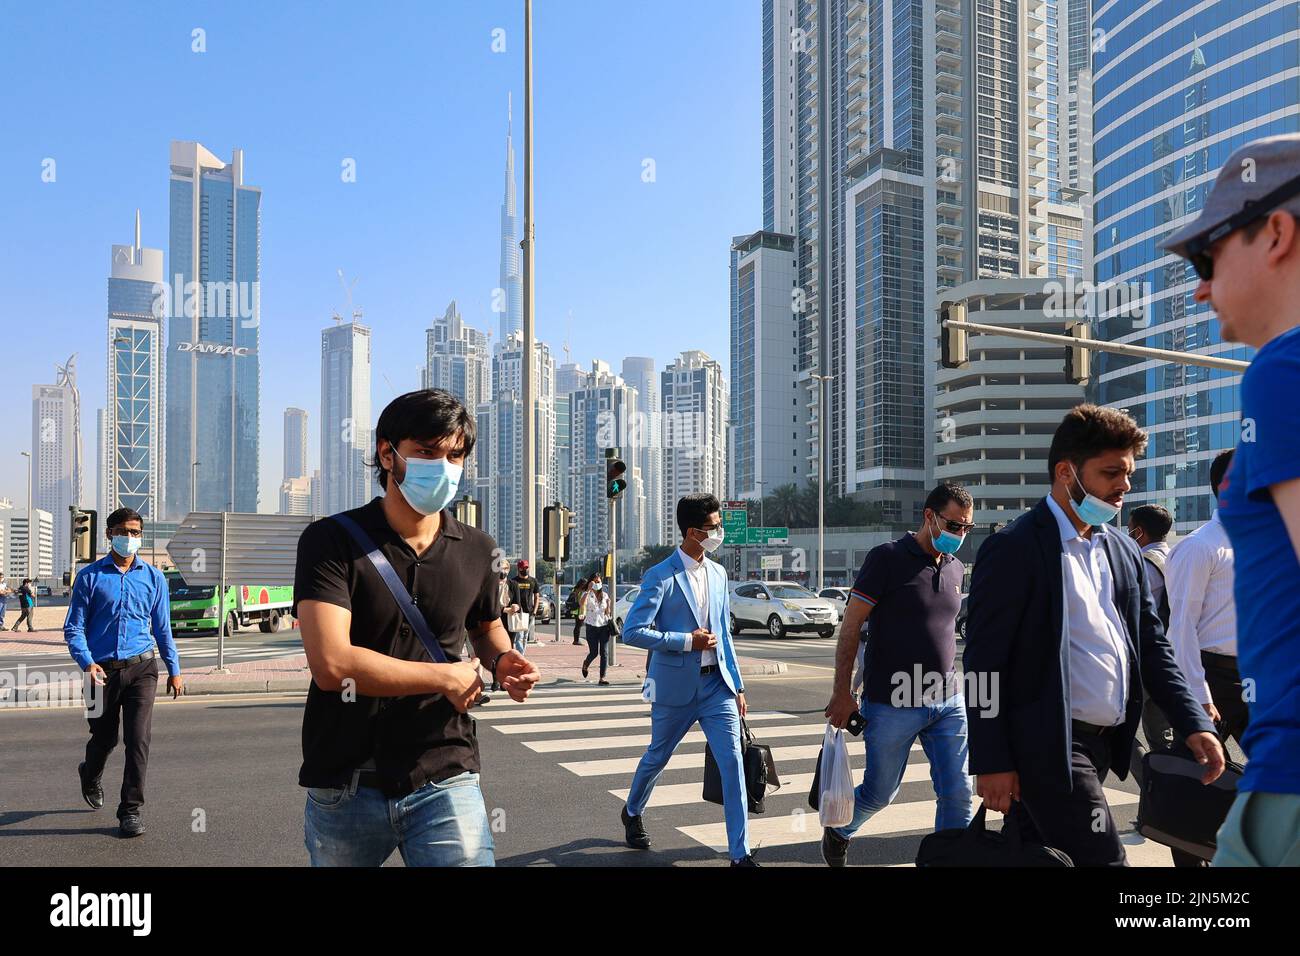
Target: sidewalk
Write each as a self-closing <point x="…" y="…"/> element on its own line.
<point x="560" y="663"/>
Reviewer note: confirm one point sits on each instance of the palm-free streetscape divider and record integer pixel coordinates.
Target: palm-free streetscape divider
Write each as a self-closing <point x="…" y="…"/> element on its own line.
<point x="560" y="663"/>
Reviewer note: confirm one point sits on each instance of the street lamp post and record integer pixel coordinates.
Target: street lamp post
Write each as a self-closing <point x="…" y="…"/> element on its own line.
<point x="821" y="479"/>
<point x="28" y="456"/>
<point x="194" y="485"/>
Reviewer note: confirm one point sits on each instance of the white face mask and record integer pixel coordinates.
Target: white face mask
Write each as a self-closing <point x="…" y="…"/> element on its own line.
<point x="713" y="541"/>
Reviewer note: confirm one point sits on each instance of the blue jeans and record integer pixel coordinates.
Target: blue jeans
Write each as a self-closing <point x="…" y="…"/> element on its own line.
<point x="1262" y="829"/>
<point x="520" y="642"/>
<point x="889" y="736"/>
<point x="716" y="710"/>
<point x="441" y="824"/>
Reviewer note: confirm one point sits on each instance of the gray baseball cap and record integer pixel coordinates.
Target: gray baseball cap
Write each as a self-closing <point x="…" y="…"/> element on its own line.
<point x="1259" y="177"/>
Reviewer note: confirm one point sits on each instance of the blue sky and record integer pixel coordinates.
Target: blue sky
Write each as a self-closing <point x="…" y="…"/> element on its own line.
<point x="415" y="94"/>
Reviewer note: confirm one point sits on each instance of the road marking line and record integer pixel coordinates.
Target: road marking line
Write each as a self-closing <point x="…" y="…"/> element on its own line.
<point x="643" y="740"/>
<point x="679" y="761"/>
<point x="610" y="724"/>
<point x="527" y="711"/>
<point x="795" y="785"/>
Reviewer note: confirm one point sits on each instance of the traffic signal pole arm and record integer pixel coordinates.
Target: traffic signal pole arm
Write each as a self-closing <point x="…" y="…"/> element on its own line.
<point x="1138" y="351"/>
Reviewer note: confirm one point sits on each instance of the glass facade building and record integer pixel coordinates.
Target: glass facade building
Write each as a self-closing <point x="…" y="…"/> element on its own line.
<point x="1178" y="88"/>
<point x="213" y="368"/>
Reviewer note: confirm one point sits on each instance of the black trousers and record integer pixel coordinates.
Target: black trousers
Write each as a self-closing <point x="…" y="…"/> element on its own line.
<point x="25" y="615"/>
<point x="598" y="642"/>
<point x="577" y="629"/>
<point x="1077" y="821"/>
<point x="126" y="700"/>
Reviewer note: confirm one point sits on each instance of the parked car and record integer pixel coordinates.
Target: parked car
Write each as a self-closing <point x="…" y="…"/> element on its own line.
<point x="781" y="607"/>
<point x="624" y="604"/>
<point x="841" y="598"/>
<point x="961" y="617"/>
<point x="568" y="606"/>
<point x="545" y="612"/>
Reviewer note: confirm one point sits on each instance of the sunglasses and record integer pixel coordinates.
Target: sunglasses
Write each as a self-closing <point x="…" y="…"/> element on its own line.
<point x="956" y="527"/>
<point x="1197" y="250"/>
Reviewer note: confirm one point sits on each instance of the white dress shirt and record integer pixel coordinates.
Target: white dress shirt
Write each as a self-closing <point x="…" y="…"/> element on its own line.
<point x="1155" y="577"/>
<point x="1202" y="614"/>
<point x="1099" y="654"/>
<point x="595" y="608"/>
<point x="698" y="575"/>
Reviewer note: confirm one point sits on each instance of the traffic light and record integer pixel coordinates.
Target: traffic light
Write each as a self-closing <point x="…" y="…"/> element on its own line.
<point x="555" y="532"/>
<point x="607" y="569"/>
<point x="84" y="531"/>
<point x="955" y="339"/>
<point x="615" y="483"/>
<point x="1078" y="360"/>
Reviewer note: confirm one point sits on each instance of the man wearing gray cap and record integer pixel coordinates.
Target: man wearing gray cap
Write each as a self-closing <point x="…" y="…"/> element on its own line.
<point x="1245" y="247"/>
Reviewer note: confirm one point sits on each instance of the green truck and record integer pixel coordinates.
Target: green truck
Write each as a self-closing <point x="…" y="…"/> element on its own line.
<point x="195" y="610"/>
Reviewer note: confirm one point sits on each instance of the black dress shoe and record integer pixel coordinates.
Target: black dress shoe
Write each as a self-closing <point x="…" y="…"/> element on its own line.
<point x="634" y="834"/>
<point x="747" y="861"/>
<point x="93" y="793"/>
<point x="604" y="683"/>
<point x="584" y="671"/>
<point x="131" y="826"/>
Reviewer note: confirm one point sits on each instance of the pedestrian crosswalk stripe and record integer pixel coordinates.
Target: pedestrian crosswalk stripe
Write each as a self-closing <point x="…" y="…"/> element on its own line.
<point x="612" y="723"/>
<point x="643" y="740"/>
<point x="533" y="698"/>
<point x="796" y="785"/>
<point x="802" y="825"/>
<point x="796" y="645"/>
<point x="681" y="761"/>
<point x="524" y="710"/>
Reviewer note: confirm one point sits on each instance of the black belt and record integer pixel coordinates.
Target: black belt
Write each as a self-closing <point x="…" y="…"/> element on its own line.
<point x="1226" y="662"/>
<point x="1097" y="730"/>
<point x="116" y="665"/>
<point x="369" y="777"/>
<point x="708" y="668"/>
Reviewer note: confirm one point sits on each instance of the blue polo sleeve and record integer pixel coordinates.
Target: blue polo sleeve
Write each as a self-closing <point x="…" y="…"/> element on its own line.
<point x="873" y="579"/>
<point x="1270" y="410"/>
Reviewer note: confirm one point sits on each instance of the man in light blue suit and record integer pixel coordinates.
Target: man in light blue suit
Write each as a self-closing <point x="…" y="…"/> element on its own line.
<point x="682" y="616"/>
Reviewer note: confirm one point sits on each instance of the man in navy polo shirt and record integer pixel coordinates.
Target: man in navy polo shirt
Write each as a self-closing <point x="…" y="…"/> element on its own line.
<point x="1245" y="248"/>
<point x="910" y="591"/>
<point x="119" y="608"/>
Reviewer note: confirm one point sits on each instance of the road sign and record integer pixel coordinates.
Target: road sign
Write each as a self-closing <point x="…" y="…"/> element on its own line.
<point x="732" y="505"/>
<point x="734" y="523"/>
<point x="257" y="547"/>
<point x="767" y="536"/>
<point x="770" y="562"/>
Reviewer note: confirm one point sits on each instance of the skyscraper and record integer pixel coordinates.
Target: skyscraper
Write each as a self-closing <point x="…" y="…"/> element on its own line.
<point x="695" y="407"/>
<point x="457" y="361"/>
<point x="346" y="428"/>
<point x="499" y="449"/>
<point x="510" y="295"/>
<point x="639" y="372"/>
<point x="213" y="367"/>
<point x="1177" y="90"/>
<point x="599" y="415"/>
<point x="133" y="419"/>
<point x="295" y="443"/>
<point x="902" y="157"/>
<point x="57" y="456"/>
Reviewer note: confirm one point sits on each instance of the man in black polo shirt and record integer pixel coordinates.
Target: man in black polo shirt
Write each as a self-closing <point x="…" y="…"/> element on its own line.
<point x="389" y="753"/>
<point x="910" y="591"/>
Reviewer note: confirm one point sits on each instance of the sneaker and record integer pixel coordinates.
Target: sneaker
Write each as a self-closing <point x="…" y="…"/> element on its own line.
<point x="835" y="849"/>
<point x="747" y="861"/>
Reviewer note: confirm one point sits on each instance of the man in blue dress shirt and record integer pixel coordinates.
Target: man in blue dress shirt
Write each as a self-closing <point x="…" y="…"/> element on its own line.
<point x="119" y="607"/>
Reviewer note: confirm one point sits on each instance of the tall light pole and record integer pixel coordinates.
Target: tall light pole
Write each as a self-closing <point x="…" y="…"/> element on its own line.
<point x="28" y="456"/>
<point x="194" y="485"/>
<point x="821" y="478"/>
<point x="760" y="484"/>
<point x="529" y="484"/>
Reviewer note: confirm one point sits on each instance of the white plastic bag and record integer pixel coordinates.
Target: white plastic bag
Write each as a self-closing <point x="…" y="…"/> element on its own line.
<point x="835" y="799"/>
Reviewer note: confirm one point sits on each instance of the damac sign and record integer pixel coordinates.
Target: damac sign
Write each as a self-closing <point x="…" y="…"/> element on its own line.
<point x="212" y="348"/>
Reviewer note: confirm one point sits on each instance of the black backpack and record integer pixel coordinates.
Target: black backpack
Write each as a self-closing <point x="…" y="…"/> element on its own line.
<point x="976" y="846"/>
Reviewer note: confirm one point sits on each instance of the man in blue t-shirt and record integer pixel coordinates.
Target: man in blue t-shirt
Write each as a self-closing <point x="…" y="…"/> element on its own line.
<point x="1245" y="247"/>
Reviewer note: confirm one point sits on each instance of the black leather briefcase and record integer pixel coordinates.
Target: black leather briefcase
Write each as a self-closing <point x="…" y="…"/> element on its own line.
<point x="760" y="771"/>
<point x="977" y="846"/>
<point x="1179" y="811"/>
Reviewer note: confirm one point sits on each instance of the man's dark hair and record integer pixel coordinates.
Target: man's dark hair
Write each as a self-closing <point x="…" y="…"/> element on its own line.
<point x="694" y="510"/>
<point x="1091" y="430"/>
<point x="1154" y="520"/>
<point x="945" y="492"/>
<point x="121" y="516"/>
<point x="427" y="415"/>
<point x="1219" y="468"/>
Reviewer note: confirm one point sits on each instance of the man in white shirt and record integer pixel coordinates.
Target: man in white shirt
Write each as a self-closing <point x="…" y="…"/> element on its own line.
<point x="1203" y="618"/>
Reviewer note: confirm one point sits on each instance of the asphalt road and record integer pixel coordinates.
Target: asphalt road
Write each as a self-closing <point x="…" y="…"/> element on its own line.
<point x="222" y="783"/>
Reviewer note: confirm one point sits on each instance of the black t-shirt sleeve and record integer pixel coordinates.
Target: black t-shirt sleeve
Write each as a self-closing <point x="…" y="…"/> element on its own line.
<point x="323" y="562"/>
<point x="487" y="604"/>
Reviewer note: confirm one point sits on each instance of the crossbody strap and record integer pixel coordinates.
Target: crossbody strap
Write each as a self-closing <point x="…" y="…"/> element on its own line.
<point x="395" y="587"/>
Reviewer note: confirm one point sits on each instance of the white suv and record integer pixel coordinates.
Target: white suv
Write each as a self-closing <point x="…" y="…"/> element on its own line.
<point x="780" y="607"/>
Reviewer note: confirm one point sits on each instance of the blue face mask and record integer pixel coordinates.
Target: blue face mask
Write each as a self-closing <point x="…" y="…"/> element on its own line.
<point x="429" y="484"/>
<point x="946" y="542"/>
<point x="125" y="545"/>
<point x="1092" y="510"/>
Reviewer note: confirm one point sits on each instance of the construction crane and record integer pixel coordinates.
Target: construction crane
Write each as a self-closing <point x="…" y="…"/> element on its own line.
<point x="347" y="291"/>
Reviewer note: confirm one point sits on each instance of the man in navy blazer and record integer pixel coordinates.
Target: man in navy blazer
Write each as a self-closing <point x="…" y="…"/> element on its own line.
<point x="1061" y="638"/>
<point x="682" y="616"/>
